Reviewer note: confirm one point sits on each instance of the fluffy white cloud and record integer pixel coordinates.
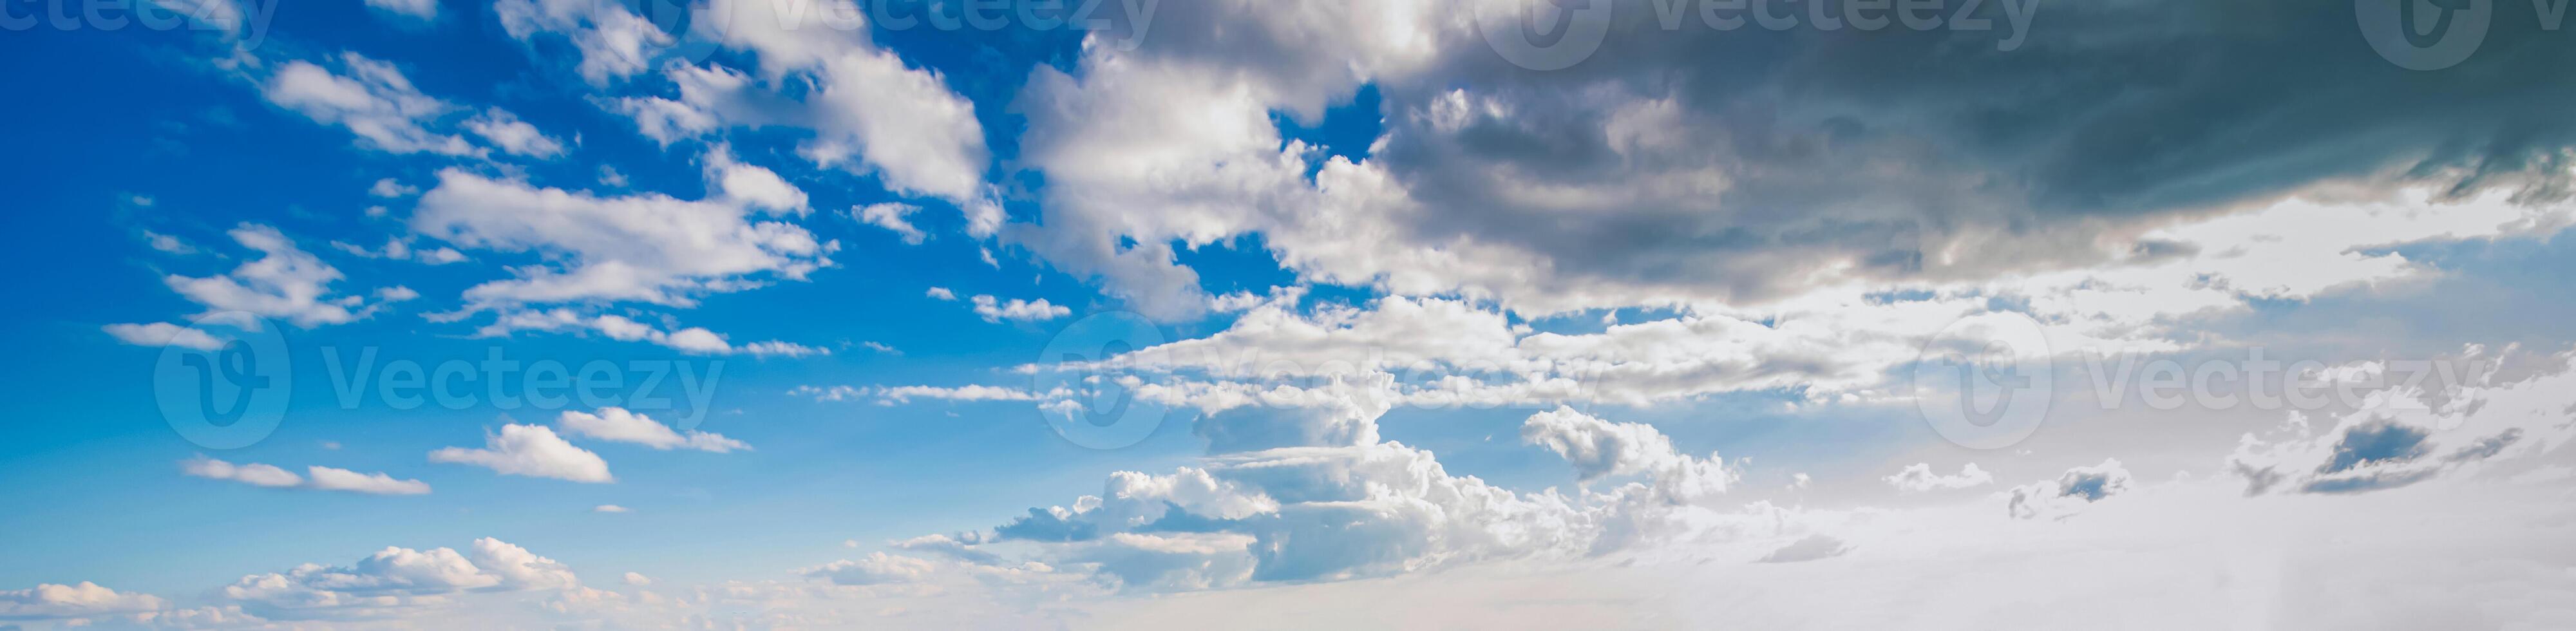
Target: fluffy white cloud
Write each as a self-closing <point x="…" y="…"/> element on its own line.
<point x="621" y="426"/>
<point x="530" y="450"/>
<point x="1016" y="310"/>
<point x="371" y="98"/>
<point x="868" y="108"/>
<point x="397" y="581"/>
<point x="614" y="42"/>
<point x="647" y="247"/>
<point x="1918" y="477"/>
<point x="58" y="602"/>
<point x="1600" y="449"/>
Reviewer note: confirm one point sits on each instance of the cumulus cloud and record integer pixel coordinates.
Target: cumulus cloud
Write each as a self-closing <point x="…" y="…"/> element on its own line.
<point x="621" y="426"/>
<point x="530" y="450"/>
<point x="252" y="474"/>
<point x="60" y="602"/>
<point x="1918" y="477"/>
<point x="1600" y="449"/>
<point x="395" y="580"/>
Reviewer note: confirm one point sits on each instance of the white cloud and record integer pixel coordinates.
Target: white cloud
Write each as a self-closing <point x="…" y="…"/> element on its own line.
<point x="167" y="243"/>
<point x="610" y="508"/>
<point x="621" y="426"/>
<point x="1919" y="477"/>
<point x="397" y="581"/>
<point x="646" y="247"/>
<point x="694" y="340"/>
<point x="252" y="474"/>
<point x="390" y="188"/>
<point x="2406" y="434"/>
<point x="530" y="450"/>
<point x="321" y="478"/>
<point x="1017" y="310"/>
<point x="423" y="9"/>
<point x="372" y="99"/>
<point x="876" y="569"/>
<point x="614" y="43"/>
<point x="868" y="108"/>
<point x="941" y="293"/>
<point x="400" y="249"/>
<point x="504" y="130"/>
<point x="330" y="479"/>
<point x="905" y="394"/>
<point x="637" y="580"/>
<point x="285" y="282"/>
<point x="61" y="602"/>
<point x="1600" y="449"/>
<point x="162" y="333"/>
<point x="890" y="216"/>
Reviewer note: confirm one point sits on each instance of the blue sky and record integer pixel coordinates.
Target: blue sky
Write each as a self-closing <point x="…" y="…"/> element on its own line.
<point x="1693" y="285"/>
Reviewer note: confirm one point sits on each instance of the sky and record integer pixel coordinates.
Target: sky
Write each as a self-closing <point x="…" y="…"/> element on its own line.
<point x="791" y="314"/>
